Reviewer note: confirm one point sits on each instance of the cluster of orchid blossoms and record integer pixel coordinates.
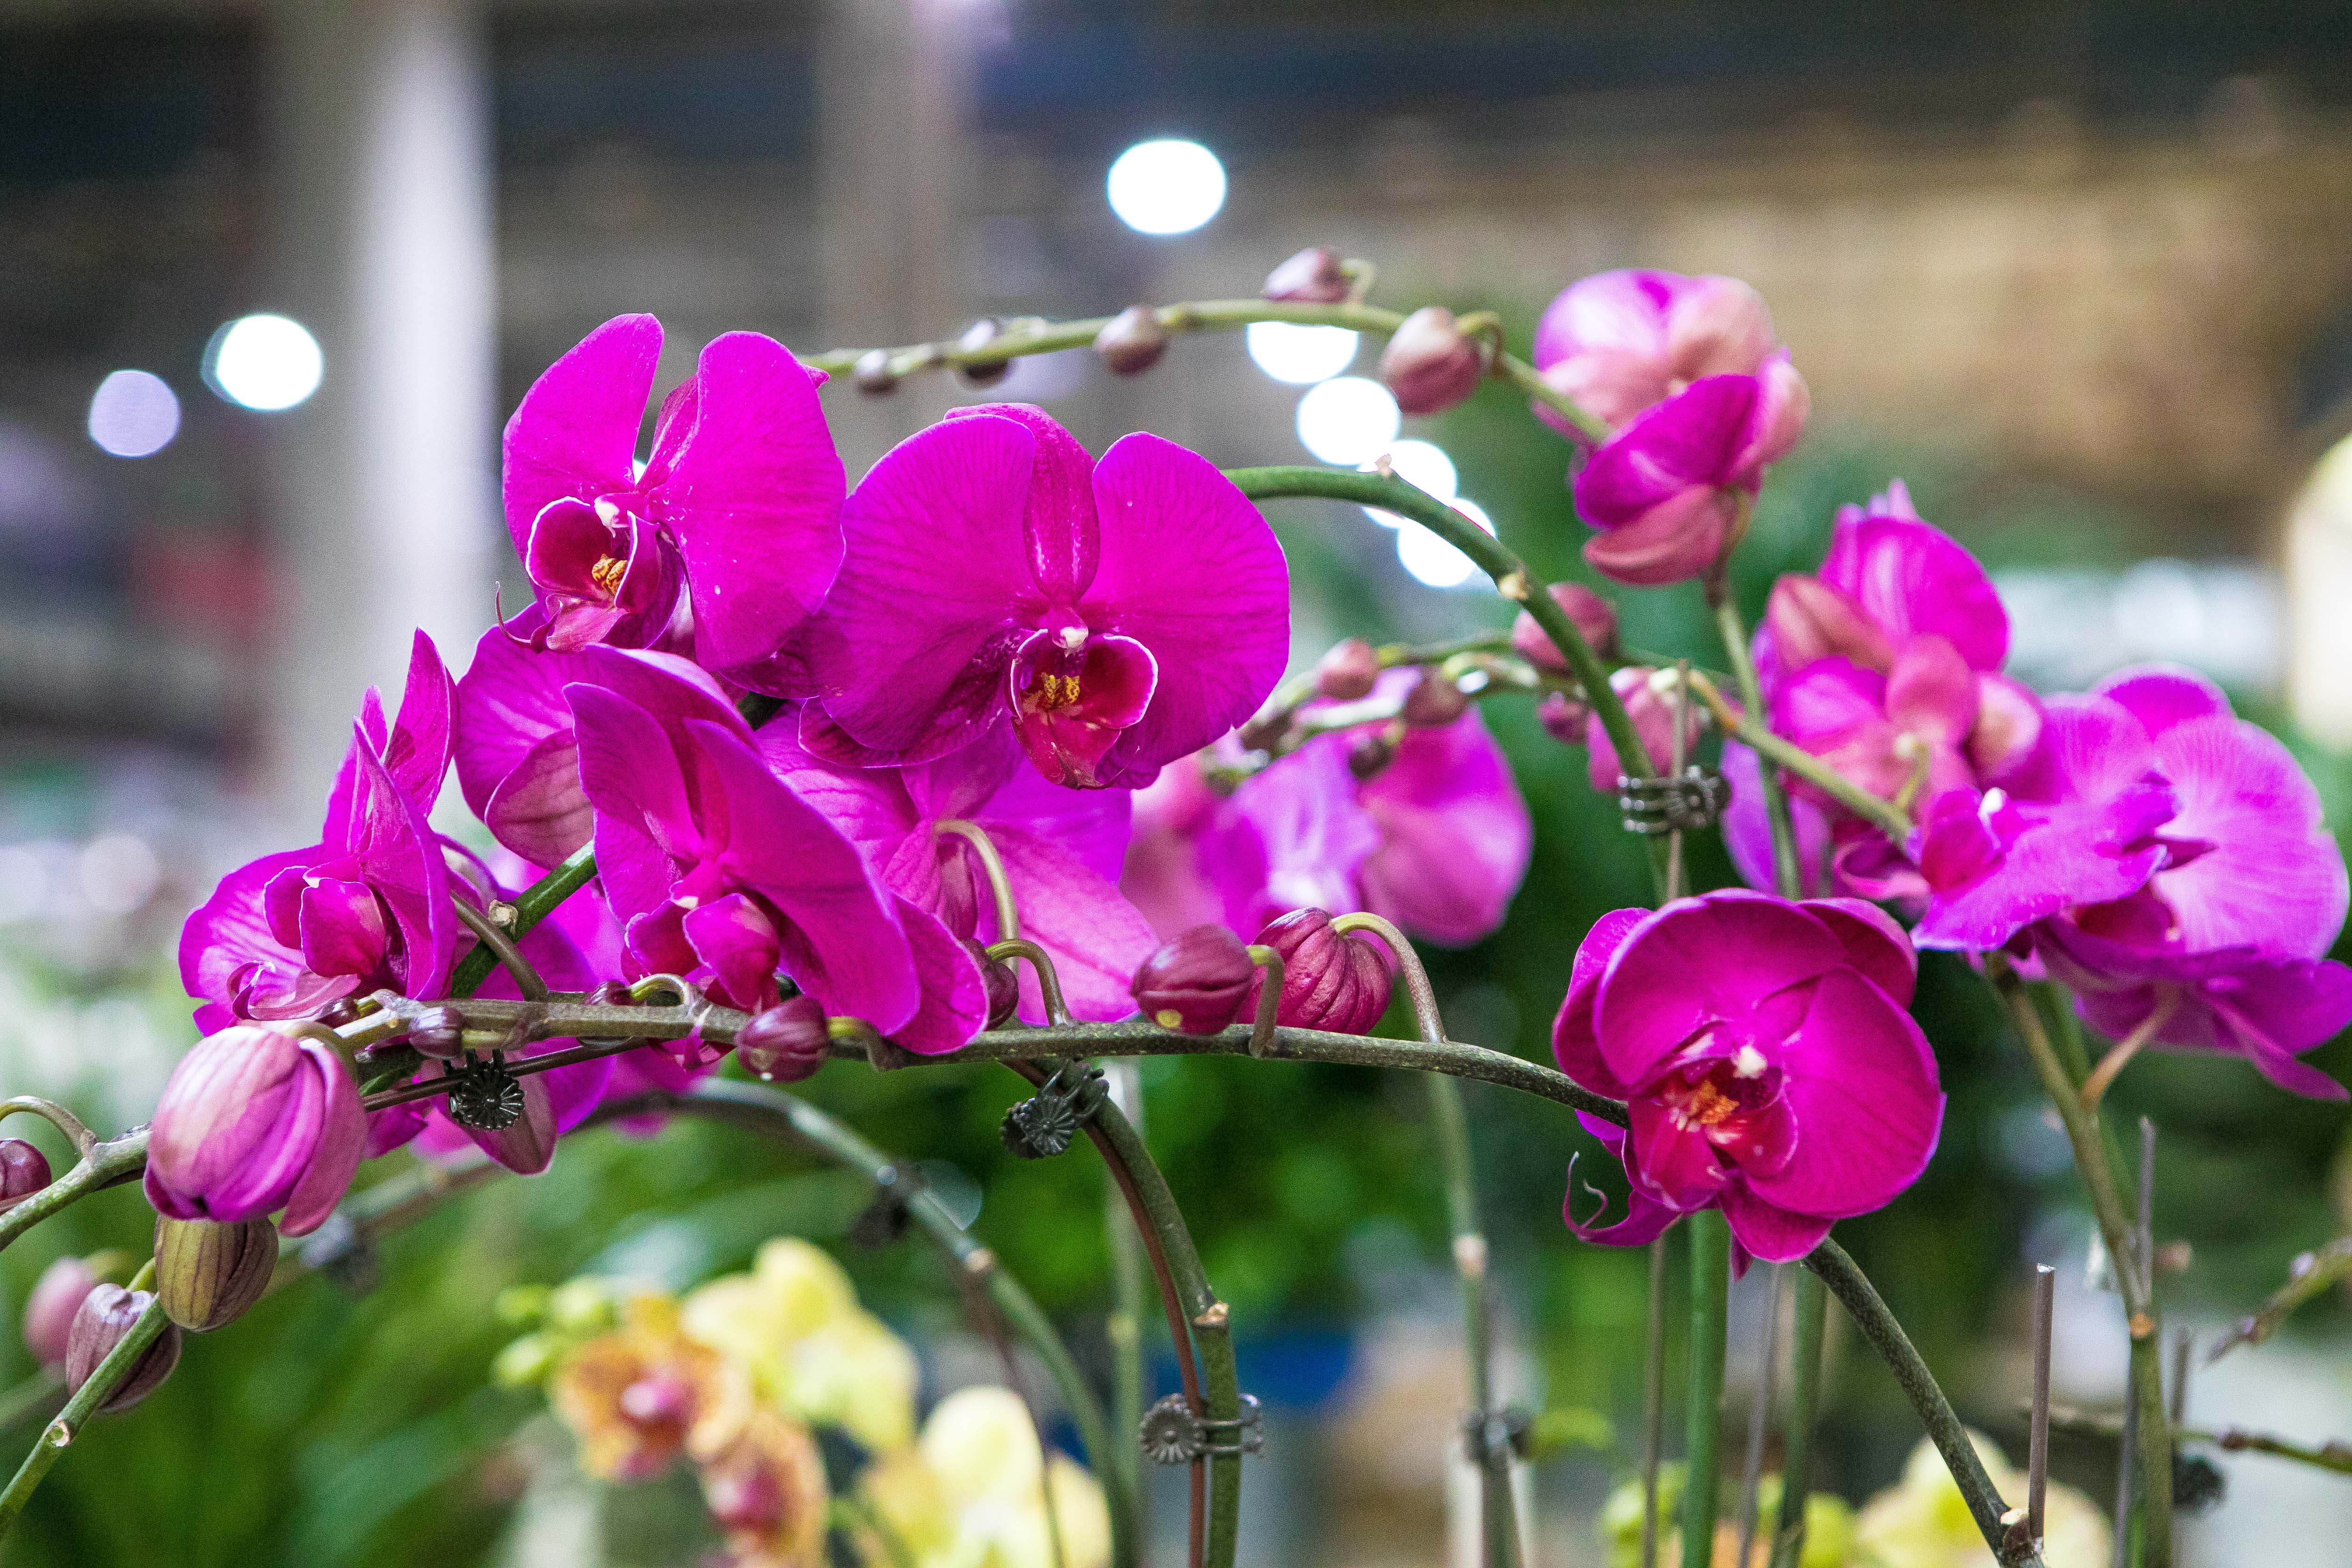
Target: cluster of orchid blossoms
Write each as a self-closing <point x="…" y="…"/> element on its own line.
<point x="776" y="766"/>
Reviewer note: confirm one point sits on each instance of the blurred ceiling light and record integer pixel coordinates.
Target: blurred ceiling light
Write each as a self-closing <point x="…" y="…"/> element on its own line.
<point x="1421" y="464"/>
<point x="1299" y="355"/>
<point x="1430" y="560"/>
<point x="1167" y="186"/>
<point x="263" y="362"/>
<point x="134" y="414"/>
<point x="1347" y="420"/>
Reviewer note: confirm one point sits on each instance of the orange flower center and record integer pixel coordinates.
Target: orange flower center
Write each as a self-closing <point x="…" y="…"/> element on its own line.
<point x="607" y="572"/>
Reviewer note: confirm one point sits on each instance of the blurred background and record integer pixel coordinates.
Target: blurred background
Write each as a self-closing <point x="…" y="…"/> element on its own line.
<point x="271" y="275"/>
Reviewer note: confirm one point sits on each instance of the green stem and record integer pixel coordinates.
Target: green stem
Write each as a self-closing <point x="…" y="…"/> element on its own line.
<point x="2336" y="1457"/>
<point x="1861" y="1302"/>
<point x="1499" y="1519"/>
<point x="1512" y="580"/>
<point x="532" y="905"/>
<point x="1751" y="731"/>
<point x="107" y="1164"/>
<point x="1710" y="1249"/>
<point x="1023" y="337"/>
<point x="1809" y="1305"/>
<point x="1124" y="1328"/>
<point x="108" y="1376"/>
<point x="1787" y="870"/>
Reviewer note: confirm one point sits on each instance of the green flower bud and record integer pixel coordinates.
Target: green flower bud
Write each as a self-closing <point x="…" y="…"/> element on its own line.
<point x="524" y="1363"/>
<point x="208" y="1274"/>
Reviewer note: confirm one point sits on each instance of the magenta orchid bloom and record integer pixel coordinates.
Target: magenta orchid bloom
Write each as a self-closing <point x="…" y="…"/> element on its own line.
<point x="1887" y="664"/>
<point x="367" y="907"/>
<point x="723" y="875"/>
<point x="1117" y="615"/>
<point x="729" y="537"/>
<point x="1669" y="493"/>
<point x="1437" y="841"/>
<point x="252" y="1121"/>
<point x="1060" y="848"/>
<point x="1767" y="1062"/>
<point x="1620" y="342"/>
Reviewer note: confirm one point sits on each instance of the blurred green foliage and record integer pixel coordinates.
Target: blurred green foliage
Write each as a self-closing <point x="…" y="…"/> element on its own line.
<point x="332" y="1428"/>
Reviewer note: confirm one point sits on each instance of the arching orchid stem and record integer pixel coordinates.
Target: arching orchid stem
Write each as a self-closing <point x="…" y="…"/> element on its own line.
<point x="992" y="865"/>
<point x="2335" y="1456"/>
<point x="1049" y="984"/>
<point x="502" y="948"/>
<point x="1787" y="870"/>
<point x="60" y="1434"/>
<point x="1884" y="814"/>
<point x="1511" y="577"/>
<point x="1032" y="335"/>
<point x="1864" y="1304"/>
<point x="56" y="1115"/>
<point x="534" y="904"/>
<point x="2094" y="1085"/>
<point x="1499" y="1530"/>
<point x="105" y="1164"/>
<point x="2152" y="1433"/>
<point x="1269" y="998"/>
<point x="1301" y="688"/>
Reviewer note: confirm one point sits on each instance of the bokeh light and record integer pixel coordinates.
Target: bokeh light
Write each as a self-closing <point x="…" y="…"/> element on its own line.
<point x="1300" y="355"/>
<point x="265" y="361"/>
<point x="1167" y="186"/>
<point x="1430" y="560"/>
<point x="134" y="414"/>
<point x="1347" y="420"/>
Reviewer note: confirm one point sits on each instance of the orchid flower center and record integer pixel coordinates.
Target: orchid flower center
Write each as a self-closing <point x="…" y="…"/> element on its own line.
<point x="1717" y="1096"/>
<point x="606" y="573"/>
<point x="1072" y="690"/>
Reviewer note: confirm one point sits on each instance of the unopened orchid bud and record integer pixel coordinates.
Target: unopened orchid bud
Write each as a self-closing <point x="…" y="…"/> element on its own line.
<point x="1370" y="752"/>
<point x="207" y="1274"/>
<point x="439" y="1032"/>
<point x="976" y="337"/>
<point x="1431" y="364"/>
<point x="786" y="1043"/>
<point x="1592" y="615"/>
<point x="1563" y="717"/>
<point x="1435" y="701"/>
<point x="1313" y="277"/>
<point x="49" y="1311"/>
<point x="107" y="1315"/>
<point x="1348" y="671"/>
<point x="873" y="374"/>
<point x="24" y="1171"/>
<point x="1331" y="980"/>
<point x="1131" y="341"/>
<point x="254" y="1121"/>
<point x="1004" y="985"/>
<point x="1197" y="983"/>
<point x="1810" y="620"/>
<point x="1265" y="732"/>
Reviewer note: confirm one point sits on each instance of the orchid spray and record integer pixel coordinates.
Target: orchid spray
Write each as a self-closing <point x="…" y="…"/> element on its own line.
<point x="992" y="757"/>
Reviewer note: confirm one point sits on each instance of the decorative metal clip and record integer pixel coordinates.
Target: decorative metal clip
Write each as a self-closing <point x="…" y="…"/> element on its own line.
<point x="1487" y="1433"/>
<point x="484" y="1094"/>
<point x="1691" y="800"/>
<point x="884" y="1218"/>
<point x="1047" y="1122"/>
<point x="1174" y="1435"/>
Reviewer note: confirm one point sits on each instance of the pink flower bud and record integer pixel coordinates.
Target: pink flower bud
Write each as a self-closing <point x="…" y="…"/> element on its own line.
<point x="107" y="1315"/>
<point x="1348" y="671"/>
<point x="976" y="337"/>
<point x="1587" y="611"/>
<point x="1435" y="701"/>
<point x="1313" y="277"/>
<point x="1331" y="980"/>
<point x="1563" y="717"/>
<point x="49" y="1309"/>
<point x="1197" y="983"/>
<point x="24" y="1171"/>
<point x="786" y="1043"/>
<point x="1369" y="753"/>
<point x="1810" y="620"/>
<point x="1002" y="984"/>
<point x="1431" y="364"/>
<point x="255" y="1120"/>
<point x="1131" y="341"/>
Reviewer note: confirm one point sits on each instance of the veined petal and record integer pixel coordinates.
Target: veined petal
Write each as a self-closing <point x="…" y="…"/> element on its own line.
<point x="1768" y="1231"/>
<point x="2273" y="878"/>
<point x="1699" y="961"/>
<point x="1455" y="838"/>
<point x="575" y="431"/>
<point x="1574" y="1043"/>
<point x="1097" y="938"/>
<point x="1861" y="1087"/>
<point x="1912" y="579"/>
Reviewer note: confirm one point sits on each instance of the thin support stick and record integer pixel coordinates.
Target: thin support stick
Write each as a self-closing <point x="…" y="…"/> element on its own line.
<point x="1654" y="1402"/>
<point x="1710" y="1244"/>
<point x="2037" y="1461"/>
<point x="1808" y="1308"/>
<point x="1758" y="1414"/>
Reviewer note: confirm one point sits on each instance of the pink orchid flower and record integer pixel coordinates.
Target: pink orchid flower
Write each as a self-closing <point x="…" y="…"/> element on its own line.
<point x="1117" y="615"/>
<point x="1623" y="341"/>
<point x="724" y="542"/>
<point x="1767" y="1062"/>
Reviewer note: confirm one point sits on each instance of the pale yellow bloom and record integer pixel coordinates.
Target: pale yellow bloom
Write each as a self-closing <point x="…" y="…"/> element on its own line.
<point x="1923" y="1521"/>
<point x="972" y="1494"/>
